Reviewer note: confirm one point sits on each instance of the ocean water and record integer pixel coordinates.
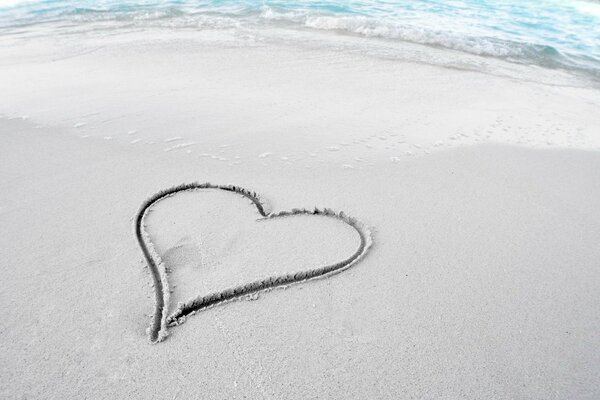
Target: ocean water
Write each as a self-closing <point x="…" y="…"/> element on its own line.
<point x="554" y="34"/>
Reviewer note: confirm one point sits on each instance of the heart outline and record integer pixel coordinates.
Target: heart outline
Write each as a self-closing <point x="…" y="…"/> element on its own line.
<point x="161" y="321"/>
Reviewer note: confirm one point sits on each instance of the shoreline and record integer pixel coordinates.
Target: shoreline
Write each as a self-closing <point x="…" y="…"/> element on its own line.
<point x="352" y="99"/>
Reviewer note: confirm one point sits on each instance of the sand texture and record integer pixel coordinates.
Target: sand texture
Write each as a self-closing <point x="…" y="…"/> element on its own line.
<point x="481" y="193"/>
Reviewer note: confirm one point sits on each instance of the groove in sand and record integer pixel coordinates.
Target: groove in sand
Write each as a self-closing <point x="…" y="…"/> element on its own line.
<point x="161" y="321"/>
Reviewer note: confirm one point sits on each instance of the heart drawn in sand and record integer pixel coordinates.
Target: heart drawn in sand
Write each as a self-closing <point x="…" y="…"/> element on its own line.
<point x="161" y="321"/>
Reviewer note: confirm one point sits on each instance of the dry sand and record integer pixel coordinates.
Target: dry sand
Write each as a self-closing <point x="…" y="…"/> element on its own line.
<point x="482" y="191"/>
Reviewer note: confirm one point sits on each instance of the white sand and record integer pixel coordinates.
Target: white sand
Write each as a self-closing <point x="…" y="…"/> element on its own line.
<point x="482" y="191"/>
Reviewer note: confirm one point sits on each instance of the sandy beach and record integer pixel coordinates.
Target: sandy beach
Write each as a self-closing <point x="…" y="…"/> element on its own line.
<point x="481" y="191"/>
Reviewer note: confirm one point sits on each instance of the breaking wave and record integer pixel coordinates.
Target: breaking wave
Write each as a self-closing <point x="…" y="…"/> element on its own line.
<point x="546" y="33"/>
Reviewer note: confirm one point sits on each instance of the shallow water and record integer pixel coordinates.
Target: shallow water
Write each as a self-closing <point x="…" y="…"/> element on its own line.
<point x="561" y="34"/>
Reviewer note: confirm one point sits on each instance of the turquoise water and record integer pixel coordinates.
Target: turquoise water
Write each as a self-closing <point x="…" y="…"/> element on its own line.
<point x="562" y="34"/>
